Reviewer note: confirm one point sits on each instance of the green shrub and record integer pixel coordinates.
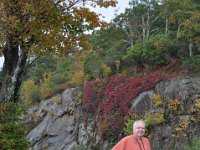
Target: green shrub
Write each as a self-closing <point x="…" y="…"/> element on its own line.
<point x="133" y="55"/>
<point x="46" y="86"/>
<point x="195" y="144"/>
<point x="106" y="70"/>
<point x="65" y="65"/>
<point x="40" y="66"/>
<point x="58" y="78"/>
<point x="92" y="65"/>
<point x="12" y="131"/>
<point x="29" y="92"/>
<point x="35" y="95"/>
<point x="80" y="147"/>
<point x="128" y="128"/>
<point x="195" y="60"/>
<point x="156" y="50"/>
<point x="191" y="65"/>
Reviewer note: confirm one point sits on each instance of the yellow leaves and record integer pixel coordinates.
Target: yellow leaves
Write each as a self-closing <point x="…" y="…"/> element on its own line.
<point x="83" y="41"/>
<point x="174" y="103"/>
<point x="57" y="99"/>
<point x="153" y="118"/>
<point x="46" y="87"/>
<point x="28" y="87"/>
<point x="157" y="100"/>
<point x="106" y="70"/>
<point x="197" y="103"/>
<point x="193" y="21"/>
<point x="183" y="125"/>
<point x="128" y="127"/>
<point x="77" y="78"/>
<point x="36" y="117"/>
<point x="12" y="19"/>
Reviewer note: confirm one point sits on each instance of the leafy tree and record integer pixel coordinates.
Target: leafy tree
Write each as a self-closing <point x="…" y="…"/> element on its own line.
<point x="110" y="44"/>
<point x="191" y="32"/>
<point x="138" y="20"/>
<point x="182" y="20"/>
<point x="175" y="12"/>
<point x="157" y="50"/>
<point x="105" y="38"/>
<point x="92" y="65"/>
<point x="38" y="27"/>
<point x="40" y="66"/>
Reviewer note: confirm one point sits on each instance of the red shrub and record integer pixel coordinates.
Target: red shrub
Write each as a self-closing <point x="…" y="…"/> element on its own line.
<point x="110" y="99"/>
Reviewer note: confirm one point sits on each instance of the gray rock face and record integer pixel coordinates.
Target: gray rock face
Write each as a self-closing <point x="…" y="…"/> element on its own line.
<point x="181" y="116"/>
<point x="57" y="124"/>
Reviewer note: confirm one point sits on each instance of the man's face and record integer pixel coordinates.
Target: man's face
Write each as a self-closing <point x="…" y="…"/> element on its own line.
<point x="139" y="129"/>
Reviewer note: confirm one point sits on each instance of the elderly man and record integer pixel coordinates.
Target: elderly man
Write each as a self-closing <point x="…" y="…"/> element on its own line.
<point x="135" y="141"/>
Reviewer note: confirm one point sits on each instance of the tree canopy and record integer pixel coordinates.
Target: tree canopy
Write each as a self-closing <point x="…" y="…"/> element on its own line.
<point x="37" y="27"/>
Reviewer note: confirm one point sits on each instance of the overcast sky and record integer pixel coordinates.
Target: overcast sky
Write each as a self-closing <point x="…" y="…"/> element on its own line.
<point x="1" y="62"/>
<point x="108" y="13"/>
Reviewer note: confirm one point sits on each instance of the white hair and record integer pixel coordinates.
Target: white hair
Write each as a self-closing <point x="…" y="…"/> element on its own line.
<point x="138" y="121"/>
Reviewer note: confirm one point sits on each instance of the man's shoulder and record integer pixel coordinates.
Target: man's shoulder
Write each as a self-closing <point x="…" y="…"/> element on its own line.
<point x="128" y="137"/>
<point x="131" y="137"/>
<point x="145" y="139"/>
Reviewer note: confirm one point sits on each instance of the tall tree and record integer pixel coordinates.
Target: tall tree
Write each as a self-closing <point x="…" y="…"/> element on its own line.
<point x="191" y="32"/>
<point x="138" y="20"/>
<point x="40" y="27"/>
<point x="182" y="18"/>
<point x="175" y="12"/>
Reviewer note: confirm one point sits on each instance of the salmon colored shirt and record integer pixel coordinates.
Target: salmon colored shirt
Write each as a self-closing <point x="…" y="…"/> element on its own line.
<point x="130" y="143"/>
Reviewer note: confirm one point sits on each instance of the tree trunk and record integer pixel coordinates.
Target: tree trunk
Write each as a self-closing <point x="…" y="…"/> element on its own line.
<point x="143" y="28"/>
<point x="178" y="31"/>
<point x="166" y="27"/>
<point x="11" y="55"/>
<point x="148" y="21"/>
<point x="191" y="48"/>
<point x="12" y="82"/>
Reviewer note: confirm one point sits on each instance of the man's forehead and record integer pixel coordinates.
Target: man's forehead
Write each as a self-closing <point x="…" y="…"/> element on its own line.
<point x="139" y="124"/>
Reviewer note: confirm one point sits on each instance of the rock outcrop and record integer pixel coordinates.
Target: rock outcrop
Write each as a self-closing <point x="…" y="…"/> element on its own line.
<point x="179" y="110"/>
<point x="57" y="123"/>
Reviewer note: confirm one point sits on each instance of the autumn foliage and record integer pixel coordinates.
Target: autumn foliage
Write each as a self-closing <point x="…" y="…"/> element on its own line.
<point x="109" y="100"/>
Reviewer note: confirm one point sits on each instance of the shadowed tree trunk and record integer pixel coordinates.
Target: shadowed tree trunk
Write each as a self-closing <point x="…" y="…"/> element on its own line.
<point x="10" y="59"/>
<point x="14" y="65"/>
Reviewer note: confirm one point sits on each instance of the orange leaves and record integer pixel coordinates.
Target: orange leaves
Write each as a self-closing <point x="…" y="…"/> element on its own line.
<point x="104" y="24"/>
<point x="85" y="15"/>
<point x="50" y="26"/>
<point x="106" y="3"/>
